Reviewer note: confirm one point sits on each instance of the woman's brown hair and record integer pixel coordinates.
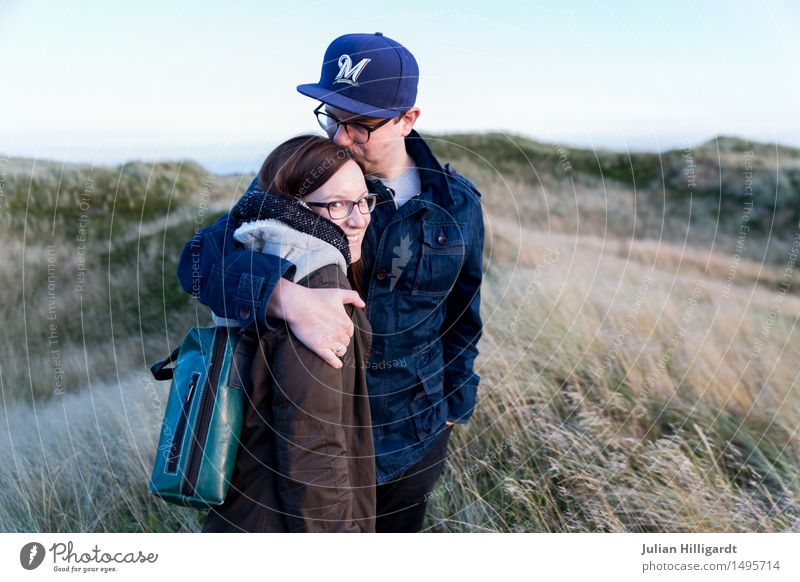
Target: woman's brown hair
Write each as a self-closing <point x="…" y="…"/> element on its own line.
<point x="299" y="166"/>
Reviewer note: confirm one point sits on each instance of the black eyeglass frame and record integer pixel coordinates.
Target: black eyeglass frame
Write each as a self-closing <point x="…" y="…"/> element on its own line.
<point x="371" y="199"/>
<point x="346" y="124"/>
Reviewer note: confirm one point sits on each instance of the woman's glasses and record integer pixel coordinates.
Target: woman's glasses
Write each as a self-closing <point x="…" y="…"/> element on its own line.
<point x="338" y="209"/>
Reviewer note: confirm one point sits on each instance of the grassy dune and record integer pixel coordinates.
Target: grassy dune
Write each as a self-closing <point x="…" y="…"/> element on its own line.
<point x="617" y="397"/>
<point x="639" y="370"/>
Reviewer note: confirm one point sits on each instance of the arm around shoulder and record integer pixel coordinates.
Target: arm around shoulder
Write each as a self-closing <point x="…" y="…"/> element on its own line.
<point x="235" y="282"/>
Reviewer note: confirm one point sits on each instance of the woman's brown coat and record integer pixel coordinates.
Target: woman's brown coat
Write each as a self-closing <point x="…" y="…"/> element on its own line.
<point x="306" y="461"/>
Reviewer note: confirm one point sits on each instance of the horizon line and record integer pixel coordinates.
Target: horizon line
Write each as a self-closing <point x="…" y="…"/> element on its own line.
<point x="233" y="168"/>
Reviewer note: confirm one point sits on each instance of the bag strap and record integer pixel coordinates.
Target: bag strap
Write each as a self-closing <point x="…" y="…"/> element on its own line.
<point x="160" y="371"/>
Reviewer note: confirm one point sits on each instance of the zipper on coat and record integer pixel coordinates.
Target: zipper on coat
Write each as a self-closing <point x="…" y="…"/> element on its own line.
<point x="209" y="397"/>
<point x="180" y="429"/>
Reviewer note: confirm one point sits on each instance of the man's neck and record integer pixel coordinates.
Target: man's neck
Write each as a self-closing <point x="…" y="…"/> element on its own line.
<point x="395" y="166"/>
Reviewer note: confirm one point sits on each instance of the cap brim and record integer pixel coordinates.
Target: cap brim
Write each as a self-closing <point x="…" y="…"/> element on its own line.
<point x="336" y="99"/>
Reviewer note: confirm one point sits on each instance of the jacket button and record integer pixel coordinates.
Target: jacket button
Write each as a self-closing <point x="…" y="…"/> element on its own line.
<point x="442" y="239"/>
<point x="381" y="275"/>
<point x="244" y="313"/>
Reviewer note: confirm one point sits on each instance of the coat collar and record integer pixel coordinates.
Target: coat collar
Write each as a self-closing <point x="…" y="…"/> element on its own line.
<point x="433" y="178"/>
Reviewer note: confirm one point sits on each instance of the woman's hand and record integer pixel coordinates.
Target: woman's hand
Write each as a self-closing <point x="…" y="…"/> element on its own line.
<point x="316" y="316"/>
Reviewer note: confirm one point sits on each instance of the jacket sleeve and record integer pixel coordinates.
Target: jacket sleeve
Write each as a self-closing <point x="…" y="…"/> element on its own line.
<point x="463" y="328"/>
<point x="311" y="447"/>
<point x="234" y="282"/>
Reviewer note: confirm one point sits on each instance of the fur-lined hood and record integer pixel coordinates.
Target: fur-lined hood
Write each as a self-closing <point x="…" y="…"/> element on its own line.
<point x="307" y="252"/>
<point x="273" y="237"/>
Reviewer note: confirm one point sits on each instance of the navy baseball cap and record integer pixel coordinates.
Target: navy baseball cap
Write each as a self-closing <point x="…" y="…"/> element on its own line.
<point x="366" y="74"/>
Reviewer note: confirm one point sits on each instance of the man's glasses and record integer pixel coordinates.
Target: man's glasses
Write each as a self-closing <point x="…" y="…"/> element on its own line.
<point x="338" y="209"/>
<point x="358" y="132"/>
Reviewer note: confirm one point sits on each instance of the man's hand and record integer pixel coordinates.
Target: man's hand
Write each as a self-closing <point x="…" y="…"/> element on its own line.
<point x="316" y="316"/>
<point x="449" y="423"/>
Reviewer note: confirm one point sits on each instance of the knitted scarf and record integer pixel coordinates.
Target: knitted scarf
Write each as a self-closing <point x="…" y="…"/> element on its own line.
<point x="256" y="204"/>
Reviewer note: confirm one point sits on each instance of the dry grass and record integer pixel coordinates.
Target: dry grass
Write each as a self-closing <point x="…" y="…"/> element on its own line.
<point x="631" y="381"/>
<point x="81" y="462"/>
<point x="618" y="396"/>
<point x="582" y="425"/>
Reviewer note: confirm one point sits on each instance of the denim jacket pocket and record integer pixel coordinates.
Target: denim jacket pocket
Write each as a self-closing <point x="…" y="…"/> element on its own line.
<point x="429" y="406"/>
<point x="442" y="254"/>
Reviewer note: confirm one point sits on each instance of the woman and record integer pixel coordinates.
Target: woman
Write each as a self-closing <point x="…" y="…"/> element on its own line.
<point x="306" y="461"/>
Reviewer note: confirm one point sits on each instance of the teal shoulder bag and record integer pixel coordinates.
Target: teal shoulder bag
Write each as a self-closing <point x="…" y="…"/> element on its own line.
<point x="203" y="419"/>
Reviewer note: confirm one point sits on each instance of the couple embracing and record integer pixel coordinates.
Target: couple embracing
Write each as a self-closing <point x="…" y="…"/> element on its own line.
<point x="357" y="258"/>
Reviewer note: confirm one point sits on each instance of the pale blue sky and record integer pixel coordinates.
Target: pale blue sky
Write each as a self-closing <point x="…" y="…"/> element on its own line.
<point x="215" y="81"/>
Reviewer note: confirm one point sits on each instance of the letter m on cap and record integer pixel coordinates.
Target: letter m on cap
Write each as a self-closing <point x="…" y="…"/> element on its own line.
<point x="347" y="72"/>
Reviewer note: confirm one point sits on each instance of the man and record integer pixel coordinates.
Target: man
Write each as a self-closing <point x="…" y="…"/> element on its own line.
<point x="422" y="259"/>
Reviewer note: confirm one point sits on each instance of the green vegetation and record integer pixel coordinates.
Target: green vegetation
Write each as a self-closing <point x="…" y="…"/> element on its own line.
<point x="92" y="268"/>
<point x="59" y="197"/>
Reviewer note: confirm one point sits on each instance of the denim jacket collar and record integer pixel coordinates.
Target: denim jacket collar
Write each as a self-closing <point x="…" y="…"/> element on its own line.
<point x="432" y="176"/>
